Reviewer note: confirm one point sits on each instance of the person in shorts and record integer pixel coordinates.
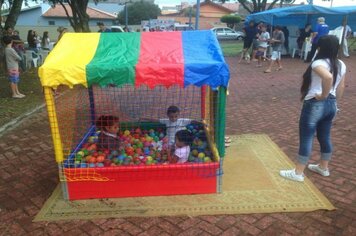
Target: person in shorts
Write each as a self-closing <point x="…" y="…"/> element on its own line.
<point x="277" y="42"/>
<point x="250" y="34"/>
<point x="12" y="63"/>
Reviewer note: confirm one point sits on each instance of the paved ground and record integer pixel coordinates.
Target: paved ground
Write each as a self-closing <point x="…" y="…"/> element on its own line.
<point x="258" y="103"/>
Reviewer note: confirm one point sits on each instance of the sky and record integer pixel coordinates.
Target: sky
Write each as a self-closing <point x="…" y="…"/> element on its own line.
<point x="336" y="3"/>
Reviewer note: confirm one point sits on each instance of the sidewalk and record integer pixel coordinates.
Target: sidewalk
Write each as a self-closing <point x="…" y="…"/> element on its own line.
<point x="258" y="103"/>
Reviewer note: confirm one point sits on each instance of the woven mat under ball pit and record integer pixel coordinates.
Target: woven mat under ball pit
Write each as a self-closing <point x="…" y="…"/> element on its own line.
<point x="251" y="184"/>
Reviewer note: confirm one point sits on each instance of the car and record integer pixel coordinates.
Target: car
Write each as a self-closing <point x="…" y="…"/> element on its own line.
<point x="182" y="27"/>
<point x="116" y="28"/>
<point x="227" y="33"/>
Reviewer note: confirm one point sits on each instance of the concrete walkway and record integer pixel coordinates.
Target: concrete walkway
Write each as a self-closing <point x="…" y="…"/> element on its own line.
<point x="258" y="103"/>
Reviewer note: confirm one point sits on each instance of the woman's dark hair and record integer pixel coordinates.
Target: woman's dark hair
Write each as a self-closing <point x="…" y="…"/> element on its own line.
<point x="328" y="48"/>
<point x="106" y="121"/>
<point x="44" y="38"/>
<point x="185" y="136"/>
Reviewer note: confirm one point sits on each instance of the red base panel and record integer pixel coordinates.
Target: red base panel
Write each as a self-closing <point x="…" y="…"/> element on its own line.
<point x="138" y="181"/>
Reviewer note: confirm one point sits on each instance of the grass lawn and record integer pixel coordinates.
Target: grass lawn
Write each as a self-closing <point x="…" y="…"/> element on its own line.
<point x="231" y="48"/>
<point x="29" y="85"/>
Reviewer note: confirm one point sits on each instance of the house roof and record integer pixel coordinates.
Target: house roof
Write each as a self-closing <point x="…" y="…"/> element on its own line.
<point x="221" y="7"/>
<point x="93" y="13"/>
<point x="232" y="6"/>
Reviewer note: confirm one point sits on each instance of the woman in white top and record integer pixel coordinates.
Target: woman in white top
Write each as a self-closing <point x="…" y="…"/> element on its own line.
<point x="323" y="84"/>
<point x="45" y="41"/>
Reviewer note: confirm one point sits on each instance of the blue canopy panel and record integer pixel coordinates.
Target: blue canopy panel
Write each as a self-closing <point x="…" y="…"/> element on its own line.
<point x="301" y="15"/>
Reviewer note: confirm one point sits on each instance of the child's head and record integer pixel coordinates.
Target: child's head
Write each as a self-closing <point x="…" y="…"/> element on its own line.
<point x="109" y="124"/>
<point x="7" y="40"/>
<point x="183" y="138"/>
<point x="173" y="113"/>
<point x="263" y="27"/>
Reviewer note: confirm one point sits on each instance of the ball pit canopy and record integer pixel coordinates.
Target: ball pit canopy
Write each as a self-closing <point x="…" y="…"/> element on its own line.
<point x="147" y="58"/>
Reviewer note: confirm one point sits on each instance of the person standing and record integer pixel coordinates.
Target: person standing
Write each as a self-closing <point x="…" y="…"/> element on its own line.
<point x="263" y="40"/>
<point x="321" y="29"/>
<point x="250" y="34"/>
<point x="323" y="85"/>
<point x="12" y="64"/>
<point x="303" y="34"/>
<point x="347" y="34"/>
<point x="102" y="28"/>
<point x="277" y="42"/>
<point x="45" y="43"/>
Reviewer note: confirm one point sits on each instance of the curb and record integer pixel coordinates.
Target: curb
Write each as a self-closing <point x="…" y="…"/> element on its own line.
<point x="18" y="120"/>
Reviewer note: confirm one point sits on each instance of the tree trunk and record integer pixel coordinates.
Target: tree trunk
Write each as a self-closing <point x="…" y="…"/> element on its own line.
<point x="14" y="13"/>
<point x="79" y="20"/>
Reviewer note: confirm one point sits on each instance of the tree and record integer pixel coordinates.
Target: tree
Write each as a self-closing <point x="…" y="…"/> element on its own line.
<point x="13" y="7"/>
<point x="189" y="11"/>
<point x="139" y="11"/>
<point x="76" y="12"/>
<point x="230" y="20"/>
<point x="253" y="6"/>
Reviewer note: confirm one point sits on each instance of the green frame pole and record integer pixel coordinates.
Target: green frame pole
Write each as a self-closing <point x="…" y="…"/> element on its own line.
<point x="220" y="121"/>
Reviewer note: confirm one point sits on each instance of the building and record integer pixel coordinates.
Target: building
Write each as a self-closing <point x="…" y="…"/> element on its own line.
<point x="43" y="17"/>
<point x="210" y="14"/>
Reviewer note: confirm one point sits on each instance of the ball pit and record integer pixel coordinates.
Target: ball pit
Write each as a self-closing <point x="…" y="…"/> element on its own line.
<point x="140" y="147"/>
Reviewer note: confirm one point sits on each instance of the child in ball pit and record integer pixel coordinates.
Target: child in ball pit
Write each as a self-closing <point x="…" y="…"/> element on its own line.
<point x="173" y="123"/>
<point x="181" y="150"/>
<point x="108" y="138"/>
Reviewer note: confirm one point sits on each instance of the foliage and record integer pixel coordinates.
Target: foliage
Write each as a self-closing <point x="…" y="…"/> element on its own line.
<point x="253" y="6"/>
<point x="231" y="48"/>
<point x="230" y="20"/>
<point x="79" y="19"/>
<point x="139" y="11"/>
<point x="189" y="11"/>
<point x="29" y="85"/>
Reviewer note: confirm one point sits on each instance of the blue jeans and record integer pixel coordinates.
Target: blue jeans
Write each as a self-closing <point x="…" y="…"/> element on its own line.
<point x="316" y="116"/>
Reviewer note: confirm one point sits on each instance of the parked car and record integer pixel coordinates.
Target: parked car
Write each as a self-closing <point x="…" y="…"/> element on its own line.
<point x="227" y="33"/>
<point x="116" y="28"/>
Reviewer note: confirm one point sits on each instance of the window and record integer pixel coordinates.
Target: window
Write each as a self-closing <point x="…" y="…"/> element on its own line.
<point x="51" y="22"/>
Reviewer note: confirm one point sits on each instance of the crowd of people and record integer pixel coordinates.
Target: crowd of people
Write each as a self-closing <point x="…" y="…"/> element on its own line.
<point x="15" y="51"/>
<point x="258" y="38"/>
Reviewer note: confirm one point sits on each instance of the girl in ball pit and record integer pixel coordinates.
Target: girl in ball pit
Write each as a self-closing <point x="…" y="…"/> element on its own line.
<point x="180" y="151"/>
<point x="108" y="138"/>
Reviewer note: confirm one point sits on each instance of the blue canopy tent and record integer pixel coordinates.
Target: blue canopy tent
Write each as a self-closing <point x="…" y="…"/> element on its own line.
<point x="303" y="14"/>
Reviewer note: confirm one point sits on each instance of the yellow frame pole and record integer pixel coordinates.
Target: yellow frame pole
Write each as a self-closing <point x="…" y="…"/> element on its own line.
<point x="53" y="122"/>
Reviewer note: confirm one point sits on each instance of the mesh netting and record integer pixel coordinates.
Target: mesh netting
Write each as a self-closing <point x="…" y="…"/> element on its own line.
<point x="147" y="138"/>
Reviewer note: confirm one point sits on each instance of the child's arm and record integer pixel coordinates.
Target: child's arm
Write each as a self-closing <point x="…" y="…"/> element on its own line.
<point x="15" y="55"/>
<point x="148" y="119"/>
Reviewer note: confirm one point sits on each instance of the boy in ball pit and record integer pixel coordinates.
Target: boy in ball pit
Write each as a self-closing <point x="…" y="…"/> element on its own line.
<point x="173" y="123"/>
<point x="108" y="138"/>
<point x="181" y="150"/>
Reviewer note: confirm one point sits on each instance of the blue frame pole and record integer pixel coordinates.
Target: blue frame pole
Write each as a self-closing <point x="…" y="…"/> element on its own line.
<point x="197" y="15"/>
<point x="126" y="15"/>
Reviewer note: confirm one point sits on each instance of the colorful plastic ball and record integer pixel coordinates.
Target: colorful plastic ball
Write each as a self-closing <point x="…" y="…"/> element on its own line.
<point x="201" y="155"/>
<point x="91" y="165"/>
<point x="126" y="133"/>
<point x="206" y="159"/>
<point x="195" y="152"/>
<point x="80" y="153"/>
<point x="83" y="165"/>
<point x="114" y="153"/>
<point x="121" y="158"/>
<point x="100" y="164"/>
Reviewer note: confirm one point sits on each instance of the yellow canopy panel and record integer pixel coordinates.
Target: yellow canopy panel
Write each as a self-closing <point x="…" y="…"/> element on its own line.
<point x="66" y="64"/>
